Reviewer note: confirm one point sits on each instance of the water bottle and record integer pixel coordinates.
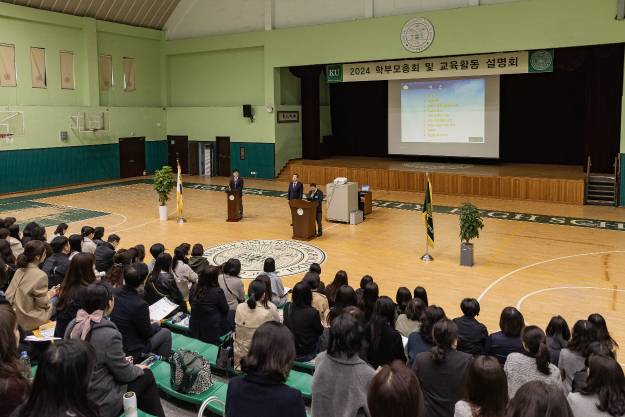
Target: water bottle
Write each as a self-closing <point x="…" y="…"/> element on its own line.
<point x="26" y="362"/>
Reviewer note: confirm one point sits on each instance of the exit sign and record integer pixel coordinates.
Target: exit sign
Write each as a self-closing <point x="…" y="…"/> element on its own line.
<point x="334" y="73"/>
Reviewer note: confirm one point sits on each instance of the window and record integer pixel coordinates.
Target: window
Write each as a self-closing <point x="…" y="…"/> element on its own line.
<point x="7" y="66"/>
<point x="67" y="70"/>
<point x="38" y="67"/>
<point x="128" y="65"/>
<point x="105" y="68"/>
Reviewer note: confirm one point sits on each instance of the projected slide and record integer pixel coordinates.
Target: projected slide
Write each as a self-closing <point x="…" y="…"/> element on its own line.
<point x="443" y="111"/>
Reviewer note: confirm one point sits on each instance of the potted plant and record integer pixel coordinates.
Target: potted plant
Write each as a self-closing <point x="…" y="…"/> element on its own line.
<point x="470" y="225"/>
<point x="164" y="182"/>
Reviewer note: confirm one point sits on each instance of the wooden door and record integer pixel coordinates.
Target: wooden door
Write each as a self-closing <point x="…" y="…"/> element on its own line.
<point x="223" y="156"/>
<point x="194" y="158"/>
<point x="178" y="147"/>
<point x="131" y="157"/>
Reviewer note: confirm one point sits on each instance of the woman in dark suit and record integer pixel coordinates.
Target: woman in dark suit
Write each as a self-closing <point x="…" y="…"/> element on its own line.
<point x="209" y="308"/>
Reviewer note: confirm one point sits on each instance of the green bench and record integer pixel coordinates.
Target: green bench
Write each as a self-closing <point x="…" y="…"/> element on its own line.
<point x="307" y="366"/>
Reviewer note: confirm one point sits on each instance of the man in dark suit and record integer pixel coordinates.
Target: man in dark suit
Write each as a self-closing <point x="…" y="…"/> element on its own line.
<point x="316" y="194"/>
<point x="296" y="189"/>
<point x="236" y="185"/>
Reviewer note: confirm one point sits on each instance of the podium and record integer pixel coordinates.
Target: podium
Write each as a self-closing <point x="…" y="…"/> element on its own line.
<point x="234" y="206"/>
<point x="303" y="217"/>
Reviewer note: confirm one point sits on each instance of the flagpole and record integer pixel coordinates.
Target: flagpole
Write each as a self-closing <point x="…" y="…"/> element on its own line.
<point x="427" y="257"/>
<point x="181" y="220"/>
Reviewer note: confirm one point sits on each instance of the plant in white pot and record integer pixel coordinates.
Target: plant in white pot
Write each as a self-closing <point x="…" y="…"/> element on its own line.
<point x="470" y="225"/>
<point x="164" y="182"/>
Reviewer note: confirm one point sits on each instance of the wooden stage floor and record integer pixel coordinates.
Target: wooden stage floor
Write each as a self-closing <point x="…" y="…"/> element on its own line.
<point x="532" y="182"/>
<point x="545" y="258"/>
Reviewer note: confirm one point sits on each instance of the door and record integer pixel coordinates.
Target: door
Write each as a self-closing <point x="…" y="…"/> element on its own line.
<point x="194" y="158"/>
<point x="223" y="156"/>
<point x="131" y="157"/>
<point x="206" y="156"/>
<point x="178" y="147"/>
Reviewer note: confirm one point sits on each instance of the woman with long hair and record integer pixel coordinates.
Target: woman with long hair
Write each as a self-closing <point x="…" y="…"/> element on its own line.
<point x="395" y="391"/>
<point x="370" y="295"/>
<point x="537" y="399"/>
<point x="366" y="279"/>
<point x="79" y="275"/>
<point x="340" y="279"/>
<point x="279" y="295"/>
<point x="304" y="322"/>
<point x="185" y="276"/>
<point x="75" y="245"/>
<point x="558" y="336"/>
<point x="573" y="357"/>
<point x="14" y="384"/>
<point x="231" y="283"/>
<point x="17" y="247"/>
<point x="267" y="303"/>
<point x="161" y="283"/>
<point x="8" y="263"/>
<point x="420" y="292"/>
<point x="402" y="298"/>
<point x="384" y="342"/>
<point x="209" y="308"/>
<point x="603" y="335"/>
<point x="532" y="364"/>
<point x="485" y="390"/>
<point x="422" y="341"/>
<point x="61" y="229"/>
<point x="410" y="320"/>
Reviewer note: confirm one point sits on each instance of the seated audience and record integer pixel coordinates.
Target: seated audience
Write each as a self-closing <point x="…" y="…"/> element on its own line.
<point x="198" y="261"/>
<point x="17" y="247"/>
<point x="572" y="358"/>
<point x="75" y="245"/>
<point x="340" y="279"/>
<point x="155" y="250"/>
<point x="7" y="257"/>
<point x="57" y="264"/>
<point x="508" y="340"/>
<point x="345" y="297"/>
<point x="558" y="336"/>
<point x="315" y="269"/>
<point x="472" y="334"/>
<point x="395" y="391"/>
<point x="604" y="392"/>
<point x="261" y="391"/>
<point x="28" y="291"/>
<point x="532" y="364"/>
<point x="14" y="385"/>
<point x="209" y="308"/>
<point x="367" y="279"/>
<point x="248" y="318"/>
<point x="26" y="233"/>
<point x="402" y="297"/>
<point x="185" y="276"/>
<point x="88" y="245"/>
<point x="369" y="297"/>
<point x="384" y="342"/>
<point x="61" y="385"/>
<point x="161" y="283"/>
<point x="131" y="315"/>
<point x="485" y="390"/>
<point x="4" y="278"/>
<point x="61" y="229"/>
<point x="113" y="374"/>
<point x="231" y="283"/>
<point x="410" y="320"/>
<point x="98" y="235"/>
<point x="140" y="255"/>
<point x="79" y="276"/>
<point x="421" y="341"/>
<point x="420" y="292"/>
<point x="115" y="274"/>
<point x="319" y="301"/>
<point x="279" y="295"/>
<point x="442" y="371"/>
<point x="603" y="335"/>
<point x="104" y="253"/>
<point x="538" y="399"/>
<point x="341" y="377"/>
<point x="304" y="322"/>
<point x="267" y="299"/>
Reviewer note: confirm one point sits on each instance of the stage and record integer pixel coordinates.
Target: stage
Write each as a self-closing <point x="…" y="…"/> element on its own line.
<point x="529" y="182"/>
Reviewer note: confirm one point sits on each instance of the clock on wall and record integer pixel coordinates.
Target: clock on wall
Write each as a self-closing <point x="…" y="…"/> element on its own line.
<point x="417" y="34"/>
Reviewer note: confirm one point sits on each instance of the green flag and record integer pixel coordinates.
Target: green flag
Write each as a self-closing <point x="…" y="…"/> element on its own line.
<point x="427" y="213"/>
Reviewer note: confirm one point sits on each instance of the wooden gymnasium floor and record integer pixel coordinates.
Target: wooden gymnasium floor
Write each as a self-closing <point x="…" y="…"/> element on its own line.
<point x="545" y="269"/>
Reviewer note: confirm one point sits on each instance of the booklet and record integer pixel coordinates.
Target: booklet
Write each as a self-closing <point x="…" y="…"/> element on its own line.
<point x="161" y="309"/>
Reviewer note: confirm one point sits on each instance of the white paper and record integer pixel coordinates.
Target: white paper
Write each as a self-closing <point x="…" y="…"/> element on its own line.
<point x="160" y="309"/>
<point x="33" y="338"/>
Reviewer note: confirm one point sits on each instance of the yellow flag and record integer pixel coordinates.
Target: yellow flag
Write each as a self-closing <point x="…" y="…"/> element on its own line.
<point x="179" y="203"/>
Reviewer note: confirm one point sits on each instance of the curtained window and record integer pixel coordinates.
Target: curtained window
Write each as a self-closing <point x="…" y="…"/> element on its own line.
<point x="128" y="65"/>
<point x="105" y="69"/>
<point x="7" y="66"/>
<point x="38" y="67"/>
<point x="67" y="70"/>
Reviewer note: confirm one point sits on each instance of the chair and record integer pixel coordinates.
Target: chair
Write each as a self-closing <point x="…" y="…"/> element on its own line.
<point x="300" y="381"/>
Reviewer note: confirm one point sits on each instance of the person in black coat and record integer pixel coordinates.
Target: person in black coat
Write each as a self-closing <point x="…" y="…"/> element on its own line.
<point x="105" y="252"/>
<point x="56" y="266"/>
<point x="296" y="189"/>
<point x="384" y="342"/>
<point x="508" y="340"/>
<point x="304" y="322"/>
<point x="316" y="194"/>
<point x="131" y="315"/>
<point x="161" y="283"/>
<point x="261" y="391"/>
<point x="472" y="334"/>
<point x="209" y="308"/>
<point x="236" y="186"/>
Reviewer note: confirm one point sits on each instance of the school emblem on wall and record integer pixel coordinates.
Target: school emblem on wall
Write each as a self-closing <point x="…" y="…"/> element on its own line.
<point x="292" y="257"/>
<point x="417" y="34"/>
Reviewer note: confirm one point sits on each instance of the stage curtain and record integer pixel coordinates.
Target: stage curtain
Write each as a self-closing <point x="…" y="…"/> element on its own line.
<point x="311" y="119"/>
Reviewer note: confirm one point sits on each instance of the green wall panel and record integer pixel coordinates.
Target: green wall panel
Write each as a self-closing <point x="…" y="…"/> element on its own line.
<point x="622" y="182"/>
<point x="259" y="158"/>
<point x="155" y="155"/>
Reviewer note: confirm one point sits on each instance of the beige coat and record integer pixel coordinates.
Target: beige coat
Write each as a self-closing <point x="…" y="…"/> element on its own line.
<point x="320" y="303"/>
<point x="28" y="294"/>
<point x="246" y="322"/>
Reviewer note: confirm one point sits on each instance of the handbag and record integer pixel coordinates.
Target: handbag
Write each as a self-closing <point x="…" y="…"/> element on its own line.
<point x="190" y="372"/>
<point x="225" y="356"/>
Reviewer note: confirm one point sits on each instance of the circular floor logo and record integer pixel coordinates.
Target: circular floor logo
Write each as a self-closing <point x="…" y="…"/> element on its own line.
<point x="292" y="257"/>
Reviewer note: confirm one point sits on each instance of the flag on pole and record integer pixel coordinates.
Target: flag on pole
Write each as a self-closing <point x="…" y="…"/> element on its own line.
<point x="427" y="213"/>
<point x="179" y="203"/>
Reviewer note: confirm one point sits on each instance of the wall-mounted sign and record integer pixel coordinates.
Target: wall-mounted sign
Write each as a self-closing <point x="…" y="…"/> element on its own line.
<point x="417" y="34"/>
<point x="520" y="62"/>
<point x="288" y="116"/>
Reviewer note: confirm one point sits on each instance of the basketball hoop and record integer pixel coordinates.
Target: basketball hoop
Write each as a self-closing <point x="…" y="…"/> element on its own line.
<point x="6" y="138"/>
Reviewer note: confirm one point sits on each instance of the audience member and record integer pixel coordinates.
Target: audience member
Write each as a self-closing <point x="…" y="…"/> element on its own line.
<point x="360" y="291"/>
<point x="161" y="283"/>
<point x="75" y="245"/>
<point x="603" y="336"/>
<point x="304" y="322"/>
<point x="420" y="292"/>
<point x="538" y="399"/>
<point x="266" y="303"/>
<point x="558" y="336"/>
<point x="57" y="264"/>
<point x="508" y="339"/>
<point x="472" y="334"/>
<point x="8" y="258"/>
<point x="402" y="297"/>
<point x="131" y="315"/>
<point x="279" y="295"/>
<point x="231" y="283"/>
<point x="410" y="321"/>
<point x="572" y="358"/>
<point x="341" y="377"/>
<point x="532" y="364"/>
<point x="198" y="261"/>
<point x="17" y="247"/>
<point x="184" y="274"/>
<point x="28" y="291"/>
<point x="384" y="342"/>
<point x="114" y="374"/>
<point x="79" y="276"/>
<point x="345" y="297"/>
<point x="485" y="390"/>
<point x="98" y="235"/>
<point x="421" y="341"/>
<point x="248" y="318"/>
<point x="261" y="391"/>
<point x="14" y="385"/>
<point x="104" y="253"/>
<point x="442" y="371"/>
<point x="140" y="256"/>
<point x="155" y="250"/>
<point x="319" y="301"/>
<point x="88" y="245"/>
<point x="26" y="233"/>
<point x="340" y="279"/>
<point x="115" y="274"/>
<point x="209" y="308"/>
<point x="61" y="229"/>
<point x="394" y="391"/>
<point x="315" y="269"/>
<point x="369" y="298"/>
<point x="4" y="278"/>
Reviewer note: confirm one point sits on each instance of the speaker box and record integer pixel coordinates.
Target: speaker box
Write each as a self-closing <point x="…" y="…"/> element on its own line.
<point x="247" y="111"/>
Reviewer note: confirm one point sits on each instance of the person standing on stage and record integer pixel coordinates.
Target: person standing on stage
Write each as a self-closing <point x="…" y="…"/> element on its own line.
<point x="296" y="189"/>
<point x="316" y="194"/>
<point x="236" y="186"/>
